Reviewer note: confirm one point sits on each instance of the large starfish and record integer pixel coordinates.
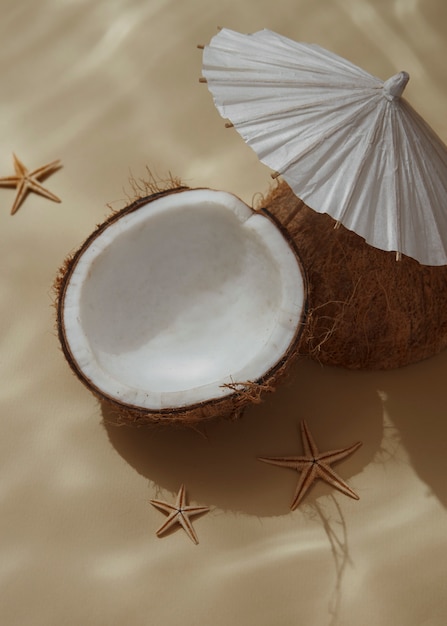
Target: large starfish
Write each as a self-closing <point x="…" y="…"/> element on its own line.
<point x="26" y="181"/>
<point x="314" y="465"/>
<point x="179" y="513"/>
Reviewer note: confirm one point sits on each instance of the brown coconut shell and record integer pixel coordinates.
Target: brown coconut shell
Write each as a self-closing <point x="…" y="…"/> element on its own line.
<point x="365" y="308"/>
<point x="231" y="406"/>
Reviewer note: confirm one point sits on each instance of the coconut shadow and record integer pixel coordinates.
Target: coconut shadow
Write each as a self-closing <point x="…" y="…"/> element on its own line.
<point x="218" y="462"/>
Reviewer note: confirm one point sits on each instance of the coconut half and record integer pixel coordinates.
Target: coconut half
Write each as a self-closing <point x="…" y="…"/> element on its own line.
<point x="185" y="305"/>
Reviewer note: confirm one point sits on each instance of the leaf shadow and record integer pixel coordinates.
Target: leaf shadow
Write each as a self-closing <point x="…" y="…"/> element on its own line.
<point x="415" y="397"/>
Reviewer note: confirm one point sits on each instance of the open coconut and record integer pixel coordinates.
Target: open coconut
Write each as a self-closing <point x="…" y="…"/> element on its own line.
<point x="185" y="305"/>
<point x="365" y="309"/>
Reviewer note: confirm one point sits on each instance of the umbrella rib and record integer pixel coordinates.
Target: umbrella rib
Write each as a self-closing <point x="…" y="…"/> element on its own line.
<point x="395" y="166"/>
<point x="319" y="139"/>
<point x="423" y="193"/>
<point x="360" y="166"/>
<point x="262" y="45"/>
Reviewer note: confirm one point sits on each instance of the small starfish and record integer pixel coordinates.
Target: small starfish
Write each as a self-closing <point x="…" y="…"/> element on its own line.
<point x="179" y="513"/>
<point x="26" y="181"/>
<point x="313" y="465"/>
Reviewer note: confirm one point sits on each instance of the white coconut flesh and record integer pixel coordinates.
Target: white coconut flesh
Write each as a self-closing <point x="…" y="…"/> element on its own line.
<point x="180" y="297"/>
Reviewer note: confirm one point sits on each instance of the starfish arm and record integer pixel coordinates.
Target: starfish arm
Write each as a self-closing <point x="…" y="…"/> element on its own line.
<point x="185" y="523"/>
<point x="337" y="455"/>
<point x="20" y="169"/>
<point x="22" y="190"/>
<point x="164" y="506"/>
<point x="188" y="508"/>
<point x="181" y="498"/>
<point x="291" y="462"/>
<point x="195" y="510"/>
<point x="327" y="474"/>
<point x="45" y="170"/>
<point x="38" y="188"/>
<point x="174" y="518"/>
<point x="310" y="448"/>
<point x="305" y="481"/>
<point x="9" y="181"/>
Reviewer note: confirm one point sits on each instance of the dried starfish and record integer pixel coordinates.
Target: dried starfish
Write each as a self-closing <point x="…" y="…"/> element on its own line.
<point x="26" y="181"/>
<point x="179" y="513"/>
<point x="314" y="465"/>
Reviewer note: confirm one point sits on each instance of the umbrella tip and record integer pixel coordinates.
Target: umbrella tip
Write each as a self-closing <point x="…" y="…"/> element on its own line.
<point x="394" y="86"/>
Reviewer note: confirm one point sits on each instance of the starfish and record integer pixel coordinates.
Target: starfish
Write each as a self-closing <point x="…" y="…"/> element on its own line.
<point x="179" y="513"/>
<point x="26" y="181"/>
<point x="314" y="465"/>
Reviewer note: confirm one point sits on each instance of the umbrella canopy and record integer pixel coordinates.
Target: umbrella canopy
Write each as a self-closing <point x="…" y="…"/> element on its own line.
<point x="344" y="140"/>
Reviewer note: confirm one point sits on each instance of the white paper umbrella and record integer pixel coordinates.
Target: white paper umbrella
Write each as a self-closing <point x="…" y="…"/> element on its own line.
<point x="344" y="140"/>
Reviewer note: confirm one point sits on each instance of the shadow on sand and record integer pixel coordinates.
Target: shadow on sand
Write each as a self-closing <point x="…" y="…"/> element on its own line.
<point x="218" y="463"/>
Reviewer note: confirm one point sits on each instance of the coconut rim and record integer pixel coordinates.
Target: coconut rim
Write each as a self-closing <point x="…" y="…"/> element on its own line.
<point x="234" y="393"/>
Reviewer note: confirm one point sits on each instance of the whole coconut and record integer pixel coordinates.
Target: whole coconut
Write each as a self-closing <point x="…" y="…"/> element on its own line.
<point x="365" y="308"/>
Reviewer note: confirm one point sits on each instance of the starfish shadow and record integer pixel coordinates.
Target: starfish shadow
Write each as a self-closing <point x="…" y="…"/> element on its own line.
<point x="219" y="463"/>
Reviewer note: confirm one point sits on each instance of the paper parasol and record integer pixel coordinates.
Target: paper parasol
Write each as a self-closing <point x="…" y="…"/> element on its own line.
<point x="345" y="141"/>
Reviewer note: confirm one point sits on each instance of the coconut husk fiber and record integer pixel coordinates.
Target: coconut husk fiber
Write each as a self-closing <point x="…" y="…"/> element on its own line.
<point x="366" y="310"/>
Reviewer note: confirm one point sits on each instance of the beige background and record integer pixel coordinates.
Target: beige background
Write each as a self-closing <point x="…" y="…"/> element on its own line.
<point x="110" y="87"/>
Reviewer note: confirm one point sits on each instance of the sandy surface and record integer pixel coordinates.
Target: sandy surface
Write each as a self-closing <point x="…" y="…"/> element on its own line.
<point x="111" y="88"/>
